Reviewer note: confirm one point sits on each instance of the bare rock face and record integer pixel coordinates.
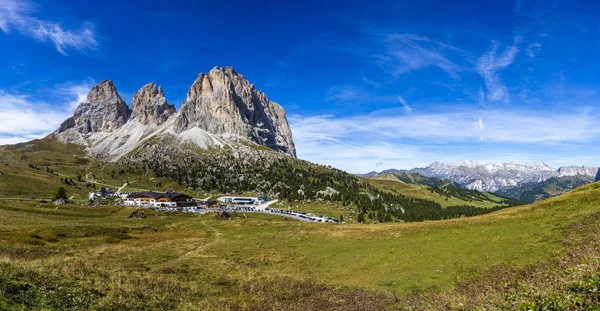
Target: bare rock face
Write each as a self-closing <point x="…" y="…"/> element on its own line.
<point x="221" y="109"/>
<point x="224" y="102"/>
<point x="150" y="105"/>
<point x="103" y="112"/>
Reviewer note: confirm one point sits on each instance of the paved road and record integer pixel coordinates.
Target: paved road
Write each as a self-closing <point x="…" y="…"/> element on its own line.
<point x="282" y="213"/>
<point x="27" y="199"/>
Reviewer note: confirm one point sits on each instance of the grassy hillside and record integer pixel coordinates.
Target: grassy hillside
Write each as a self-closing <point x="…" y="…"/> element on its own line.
<point x="37" y="169"/>
<point x="443" y="192"/>
<point x="72" y="257"/>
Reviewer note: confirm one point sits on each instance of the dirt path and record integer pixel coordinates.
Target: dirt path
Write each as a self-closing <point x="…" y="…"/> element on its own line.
<point x="213" y="236"/>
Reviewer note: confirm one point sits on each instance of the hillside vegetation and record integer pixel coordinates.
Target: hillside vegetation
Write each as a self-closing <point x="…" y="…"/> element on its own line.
<point x="245" y="170"/>
<point x="73" y="257"/>
<point x="442" y="191"/>
<point x="538" y="191"/>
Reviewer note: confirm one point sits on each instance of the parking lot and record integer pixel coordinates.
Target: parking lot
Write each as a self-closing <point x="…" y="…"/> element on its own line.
<point x="302" y="216"/>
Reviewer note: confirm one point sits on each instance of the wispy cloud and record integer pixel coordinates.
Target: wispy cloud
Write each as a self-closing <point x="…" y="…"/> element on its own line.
<point x="407" y="108"/>
<point x="24" y="118"/>
<point x="357" y="96"/>
<point x="481" y="128"/>
<point x="357" y="143"/>
<point x="344" y="93"/>
<point x="409" y="52"/>
<point x="370" y="82"/>
<point x="533" y="49"/>
<point x="488" y="66"/>
<point x="75" y="93"/>
<point x="17" y="15"/>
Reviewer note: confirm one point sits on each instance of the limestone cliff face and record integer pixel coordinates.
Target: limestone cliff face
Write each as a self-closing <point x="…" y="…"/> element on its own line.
<point x="150" y="105"/>
<point x="221" y="109"/>
<point x="224" y="102"/>
<point x="103" y="112"/>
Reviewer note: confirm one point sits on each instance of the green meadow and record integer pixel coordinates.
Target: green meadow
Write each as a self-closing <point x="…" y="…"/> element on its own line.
<point x="77" y="257"/>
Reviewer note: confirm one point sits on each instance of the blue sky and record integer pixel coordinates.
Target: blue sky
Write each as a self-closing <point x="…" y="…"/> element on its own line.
<point x="391" y="84"/>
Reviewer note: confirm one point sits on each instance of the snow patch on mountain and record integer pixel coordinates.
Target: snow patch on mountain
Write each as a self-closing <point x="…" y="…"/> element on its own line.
<point x="492" y="177"/>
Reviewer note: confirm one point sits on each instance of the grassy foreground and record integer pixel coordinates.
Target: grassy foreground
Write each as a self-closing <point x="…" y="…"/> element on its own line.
<point x="72" y="257"/>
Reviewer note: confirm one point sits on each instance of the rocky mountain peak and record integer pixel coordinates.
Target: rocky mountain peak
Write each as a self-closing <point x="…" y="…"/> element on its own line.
<point x="103" y="91"/>
<point x="222" y="108"/>
<point x="104" y="111"/>
<point x="225" y="102"/>
<point x="150" y="105"/>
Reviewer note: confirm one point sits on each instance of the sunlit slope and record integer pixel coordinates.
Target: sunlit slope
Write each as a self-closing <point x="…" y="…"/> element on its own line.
<point x="420" y="255"/>
<point x="37" y="168"/>
<point x="391" y="182"/>
<point x="387" y="176"/>
<point x="229" y="255"/>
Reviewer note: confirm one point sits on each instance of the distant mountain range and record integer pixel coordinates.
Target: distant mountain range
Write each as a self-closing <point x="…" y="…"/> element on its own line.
<point x="537" y="191"/>
<point x="506" y="176"/>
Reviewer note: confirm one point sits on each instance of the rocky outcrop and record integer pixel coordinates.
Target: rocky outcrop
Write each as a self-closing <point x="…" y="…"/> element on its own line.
<point x="577" y="170"/>
<point x="150" y="105"/>
<point x="224" y="102"/>
<point x="103" y="112"/>
<point x="221" y="109"/>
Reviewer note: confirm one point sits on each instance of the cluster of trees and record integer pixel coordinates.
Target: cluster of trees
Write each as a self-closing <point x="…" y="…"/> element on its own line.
<point x="34" y="167"/>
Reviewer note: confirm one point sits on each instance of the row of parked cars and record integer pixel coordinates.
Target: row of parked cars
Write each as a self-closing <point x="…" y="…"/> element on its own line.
<point x="303" y="215"/>
<point x="245" y="208"/>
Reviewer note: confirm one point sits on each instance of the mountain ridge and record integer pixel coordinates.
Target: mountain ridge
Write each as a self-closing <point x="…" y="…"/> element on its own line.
<point x="493" y="177"/>
<point x="222" y="108"/>
<point x="538" y="191"/>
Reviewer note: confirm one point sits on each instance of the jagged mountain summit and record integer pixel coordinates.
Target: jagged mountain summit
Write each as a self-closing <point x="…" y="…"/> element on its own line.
<point x="222" y="108"/>
<point x="103" y="112"/>
<point x="150" y="105"/>
<point x="493" y="177"/>
<point x="224" y="102"/>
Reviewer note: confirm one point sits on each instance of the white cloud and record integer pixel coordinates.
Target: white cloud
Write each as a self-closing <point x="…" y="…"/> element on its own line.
<point x="481" y="127"/>
<point x="344" y="93"/>
<point x="17" y="15"/>
<point x="409" y="52"/>
<point x="76" y="93"/>
<point x="370" y="82"/>
<point x="22" y="117"/>
<point x="533" y="49"/>
<point x="481" y="97"/>
<point x="407" y="108"/>
<point x="356" y="143"/>
<point x="488" y="66"/>
<point x="25" y="119"/>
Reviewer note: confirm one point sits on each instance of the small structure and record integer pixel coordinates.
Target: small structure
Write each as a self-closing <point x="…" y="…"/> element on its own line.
<point x="158" y="199"/>
<point x="242" y="200"/>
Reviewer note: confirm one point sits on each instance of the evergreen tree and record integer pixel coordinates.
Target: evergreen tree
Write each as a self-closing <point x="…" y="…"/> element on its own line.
<point x="61" y="193"/>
